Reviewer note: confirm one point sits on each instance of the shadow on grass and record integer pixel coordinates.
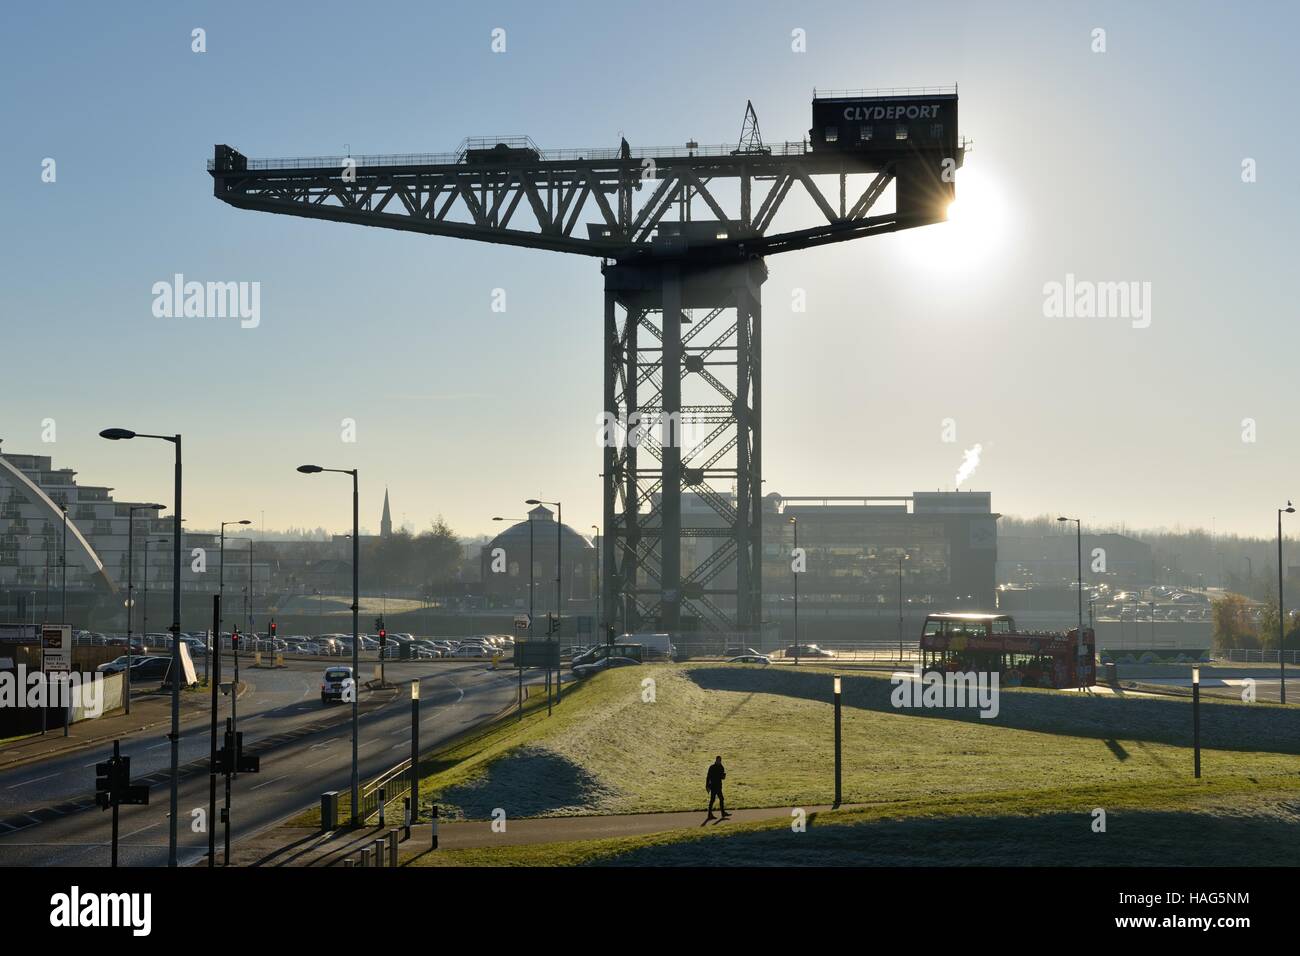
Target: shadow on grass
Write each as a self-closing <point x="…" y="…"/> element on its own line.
<point x="1265" y="837"/>
<point x="528" y="781"/>
<point x="1224" y="726"/>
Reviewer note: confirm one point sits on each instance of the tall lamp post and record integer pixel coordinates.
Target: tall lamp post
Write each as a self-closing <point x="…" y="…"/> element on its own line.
<point x="356" y="608"/>
<point x="529" y="519"/>
<point x="559" y="566"/>
<point x="119" y="434"/>
<point x="795" y="523"/>
<point x="1078" y="535"/>
<point x="901" y="558"/>
<point x="63" y="561"/>
<point x="1281" y="605"/>
<point x="600" y="628"/>
<point x="130" y="590"/>
<point x="221" y="589"/>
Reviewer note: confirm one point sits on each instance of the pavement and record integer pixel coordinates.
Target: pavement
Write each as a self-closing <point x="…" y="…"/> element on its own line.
<point x="148" y="711"/>
<point x="304" y="846"/>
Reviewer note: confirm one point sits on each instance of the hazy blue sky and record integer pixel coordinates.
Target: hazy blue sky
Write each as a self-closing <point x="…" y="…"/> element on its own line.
<point x="1115" y="166"/>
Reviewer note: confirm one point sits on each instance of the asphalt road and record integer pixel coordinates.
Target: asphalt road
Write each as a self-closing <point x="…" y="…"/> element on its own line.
<point x="47" y="811"/>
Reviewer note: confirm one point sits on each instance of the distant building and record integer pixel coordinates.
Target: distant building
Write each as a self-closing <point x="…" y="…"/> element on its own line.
<point x="503" y="564"/>
<point x="33" y="498"/>
<point x="386" y="519"/>
<point x="1053" y="558"/>
<point x="943" y="544"/>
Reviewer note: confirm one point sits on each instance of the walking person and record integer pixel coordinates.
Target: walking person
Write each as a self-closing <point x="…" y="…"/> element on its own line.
<point x="713" y="783"/>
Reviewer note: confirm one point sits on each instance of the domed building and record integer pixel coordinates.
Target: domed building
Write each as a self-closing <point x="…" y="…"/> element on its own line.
<point x="503" y="563"/>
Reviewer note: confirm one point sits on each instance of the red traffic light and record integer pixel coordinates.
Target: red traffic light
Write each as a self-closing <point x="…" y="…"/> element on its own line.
<point x="383" y="634"/>
<point x="273" y="628"/>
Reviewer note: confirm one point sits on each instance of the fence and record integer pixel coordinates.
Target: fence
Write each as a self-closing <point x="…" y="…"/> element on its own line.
<point x="394" y="782"/>
<point x="1239" y="655"/>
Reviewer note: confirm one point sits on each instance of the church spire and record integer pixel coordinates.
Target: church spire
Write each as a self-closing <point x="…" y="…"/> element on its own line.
<point x="386" y="522"/>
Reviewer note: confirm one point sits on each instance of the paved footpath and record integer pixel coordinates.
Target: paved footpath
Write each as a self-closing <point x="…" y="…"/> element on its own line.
<point x="304" y="846"/>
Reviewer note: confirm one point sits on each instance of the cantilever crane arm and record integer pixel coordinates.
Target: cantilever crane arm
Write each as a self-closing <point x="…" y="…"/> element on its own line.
<point x="587" y="206"/>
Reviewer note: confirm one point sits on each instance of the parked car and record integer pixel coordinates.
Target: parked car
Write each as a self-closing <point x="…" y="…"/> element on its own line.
<point x="150" y="669"/>
<point x="471" y="650"/>
<point x="807" y="650"/>
<point x="333" y="683"/>
<point x="750" y="659"/>
<point x="605" y="663"/>
<point x="741" y="652"/>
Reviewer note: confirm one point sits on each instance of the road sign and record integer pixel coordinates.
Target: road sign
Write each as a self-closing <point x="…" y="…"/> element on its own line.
<point x="522" y="622"/>
<point x="56" y="647"/>
<point x="537" y="654"/>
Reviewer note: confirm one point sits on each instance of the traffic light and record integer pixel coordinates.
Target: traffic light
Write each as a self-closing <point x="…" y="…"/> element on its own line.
<point x="383" y="637"/>
<point x="609" y="634"/>
<point x="234" y="639"/>
<point x="231" y="758"/>
<point x="273" y="629"/>
<point x="113" y="782"/>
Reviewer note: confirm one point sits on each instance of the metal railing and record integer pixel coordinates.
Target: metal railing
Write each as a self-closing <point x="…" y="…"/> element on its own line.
<point x="395" y="784"/>
<point x="888" y="91"/>
<point x="601" y="154"/>
<point x="1241" y="655"/>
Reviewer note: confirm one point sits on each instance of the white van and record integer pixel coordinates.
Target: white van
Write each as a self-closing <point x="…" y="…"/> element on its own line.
<point x="654" y="646"/>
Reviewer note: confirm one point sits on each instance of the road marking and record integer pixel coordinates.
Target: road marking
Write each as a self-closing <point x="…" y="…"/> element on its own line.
<point x="33" y="780"/>
<point x="269" y="782"/>
<point x="127" y="836"/>
<point x="156" y="746"/>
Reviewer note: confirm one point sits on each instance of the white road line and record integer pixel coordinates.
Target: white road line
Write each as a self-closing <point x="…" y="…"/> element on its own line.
<point x="33" y="780"/>
<point x="269" y="782"/>
<point x="127" y="836"/>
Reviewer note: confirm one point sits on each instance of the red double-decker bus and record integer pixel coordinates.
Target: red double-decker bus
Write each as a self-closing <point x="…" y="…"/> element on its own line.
<point x="991" y="642"/>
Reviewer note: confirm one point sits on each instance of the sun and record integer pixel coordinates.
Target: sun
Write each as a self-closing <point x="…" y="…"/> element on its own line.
<point x="974" y="235"/>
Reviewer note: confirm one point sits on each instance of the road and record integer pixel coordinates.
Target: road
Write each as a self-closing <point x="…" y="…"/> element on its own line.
<point x="47" y="812"/>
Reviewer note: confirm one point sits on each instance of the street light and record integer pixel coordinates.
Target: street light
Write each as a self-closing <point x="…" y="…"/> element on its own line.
<point x="1196" y="718"/>
<point x="123" y="434"/>
<point x="1078" y="531"/>
<point x="1281" y="605"/>
<point x="221" y="589"/>
<point x="837" y="740"/>
<point x="130" y="589"/>
<point x="530" y="606"/>
<point x="559" y="610"/>
<point x="415" y="752"/>
<point x="901" y="558"/>
<point x="63" y="619"/>
<point x="356" y="608"/>
<point x="600" y="627"/>
<point x="795" y="571"/>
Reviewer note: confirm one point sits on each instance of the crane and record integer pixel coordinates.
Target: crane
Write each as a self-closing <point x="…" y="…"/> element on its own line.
<point x="682" y="234"/>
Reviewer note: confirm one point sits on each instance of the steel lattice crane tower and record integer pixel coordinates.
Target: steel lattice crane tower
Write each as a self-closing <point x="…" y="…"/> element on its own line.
<point x="682" y="312"/>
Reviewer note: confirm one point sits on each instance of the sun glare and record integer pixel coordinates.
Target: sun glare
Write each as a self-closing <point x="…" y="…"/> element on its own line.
<point x="973" y="236"/>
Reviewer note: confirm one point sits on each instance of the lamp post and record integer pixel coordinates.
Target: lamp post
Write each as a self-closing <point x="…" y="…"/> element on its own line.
<point x="1281" y="606"/>
<point x="63" y="561"/>
<point x="119" y="434"/>
<point x="1078" y="532"/>
<point x="130" y="589"/>
<point x="837" y="740"/>
<point x="519" y="667"/>
<point x="599" y="625"/>
<point x="415" y="751"/>
<point x="356" y="608"/>
<point x="1196" y="719"/>
<point x="795" y="522"/>
<point x="559" y="566"/>
<point x="901" y="558"/>
<point x="221" y="587"/>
